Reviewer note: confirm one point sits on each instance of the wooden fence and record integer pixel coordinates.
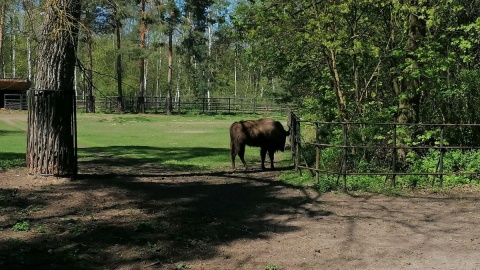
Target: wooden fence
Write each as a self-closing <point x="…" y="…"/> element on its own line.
<point x="389" y="148"/>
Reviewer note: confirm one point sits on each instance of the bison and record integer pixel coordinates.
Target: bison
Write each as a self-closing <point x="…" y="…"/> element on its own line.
<point x="265" y="133"/>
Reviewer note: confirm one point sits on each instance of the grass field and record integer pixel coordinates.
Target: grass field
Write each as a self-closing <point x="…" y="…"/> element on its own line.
<point x="195" y="142"/>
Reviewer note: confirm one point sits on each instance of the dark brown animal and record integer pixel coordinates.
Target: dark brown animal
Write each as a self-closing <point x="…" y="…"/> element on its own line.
<point x="265" y="133"/>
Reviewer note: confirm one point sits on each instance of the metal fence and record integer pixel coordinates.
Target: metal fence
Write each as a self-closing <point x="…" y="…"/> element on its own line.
<point x="15" y="102"/>
<point x="383" y="149"/>
<point x="226" y="105"/>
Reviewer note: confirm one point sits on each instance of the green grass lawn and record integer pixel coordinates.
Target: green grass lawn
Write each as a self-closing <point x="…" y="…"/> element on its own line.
<point x="175" y="142"/>
<point x="13" y="139"/>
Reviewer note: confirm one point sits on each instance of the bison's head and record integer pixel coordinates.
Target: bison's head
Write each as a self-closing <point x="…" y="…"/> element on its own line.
<point x="283" y="138"/>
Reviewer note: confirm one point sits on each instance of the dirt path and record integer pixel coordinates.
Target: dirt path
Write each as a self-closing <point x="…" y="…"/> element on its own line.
<point x="119" y="219"/>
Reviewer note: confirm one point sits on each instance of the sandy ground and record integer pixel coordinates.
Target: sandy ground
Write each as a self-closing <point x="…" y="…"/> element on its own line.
<point x="115" y="219"/>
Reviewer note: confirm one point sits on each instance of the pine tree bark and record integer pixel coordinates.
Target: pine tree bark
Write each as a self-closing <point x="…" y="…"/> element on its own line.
<point x="118" y="25"/>
<point x="169" y="105"/>
<point x="3" y="9"/>
<point x="90" y="102"/>
<point x="51" y="116"/>
<point x="142" y="32"/>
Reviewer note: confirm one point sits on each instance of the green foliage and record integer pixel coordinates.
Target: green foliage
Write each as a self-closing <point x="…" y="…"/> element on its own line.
<point x="376" y="156"/>
<point x="183" y="266"/>
<point x="40" y="229"/>
<point x="21" y="226"/>
<point x="7" y="163"/>
<point x="272" y="266"/>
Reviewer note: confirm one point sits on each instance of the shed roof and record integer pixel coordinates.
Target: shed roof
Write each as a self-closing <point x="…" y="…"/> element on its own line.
<point x="14" y="84"/>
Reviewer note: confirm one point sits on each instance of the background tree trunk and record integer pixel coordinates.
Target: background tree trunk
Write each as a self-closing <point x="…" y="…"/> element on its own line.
<point x="90" y="100"/>
<point x="409" y="96"/>
<point x="3" y="9"/>
<point x="118" y="25"/>
<point x="143" y="32"/>
<point x="169" y="105"/>
<point x="51" y="116"/>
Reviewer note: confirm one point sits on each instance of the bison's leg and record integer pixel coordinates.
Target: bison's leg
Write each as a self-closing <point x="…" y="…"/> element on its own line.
<point x="241" y="154"/>
<point x="271" y="154"/>
<point x="263" y="154"/>
<point x="233" y="154"/>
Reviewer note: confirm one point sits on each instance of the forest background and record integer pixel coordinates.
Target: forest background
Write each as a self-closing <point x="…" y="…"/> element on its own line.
<point x="362" y="60"/>
<point x="350" y="61"/>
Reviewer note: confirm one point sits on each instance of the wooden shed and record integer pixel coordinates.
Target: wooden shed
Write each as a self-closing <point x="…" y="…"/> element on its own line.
<point x="13" y="93"/>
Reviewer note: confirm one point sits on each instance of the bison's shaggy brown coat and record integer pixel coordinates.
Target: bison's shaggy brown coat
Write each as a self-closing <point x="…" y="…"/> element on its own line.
<point x="265" y="133"/>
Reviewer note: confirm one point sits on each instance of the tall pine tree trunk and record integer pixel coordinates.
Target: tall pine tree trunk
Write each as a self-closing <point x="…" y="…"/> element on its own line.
<point x="120" y="107"/>
<point x="142" y="32"/>
<point x="169" y="105"/>
<point x="51" y="116"/>
<point x="3" y="10"/>
<point x="90" y="102"/>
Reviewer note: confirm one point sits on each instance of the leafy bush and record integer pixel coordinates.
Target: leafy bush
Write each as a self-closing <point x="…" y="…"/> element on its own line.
<point x="21" y="226"/>
<point x="12" y="163"/>
<point x="379" y="158"/>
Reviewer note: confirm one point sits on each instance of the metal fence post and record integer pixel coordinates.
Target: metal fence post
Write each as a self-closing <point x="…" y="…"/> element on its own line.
<point x="317" y="152"/>
<point x="394" y="155"/>
<point x="442" y="151"/>
<point x="344" y="158"/>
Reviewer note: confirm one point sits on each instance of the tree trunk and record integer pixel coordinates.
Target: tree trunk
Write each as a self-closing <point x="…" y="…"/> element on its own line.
<point x="408" y="95"/>
<point x="3" y="10"/>
<point x="157" y="78"/>
<point x="14" y="54"/>
<point x="120" y="107"/>
<point x="90" y="102"/>
<point x="29" y="59"/>
<point x="340" y="95"/>
<point x="51" y="117"/>
<point x="169" y="105"/>
<point x="143" y="32"/>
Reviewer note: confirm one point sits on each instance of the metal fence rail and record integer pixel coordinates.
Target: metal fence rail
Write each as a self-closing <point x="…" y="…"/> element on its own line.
<point x="389" y="147"/>
<point x="204" y="105"/>
<point x="15" y="102"/>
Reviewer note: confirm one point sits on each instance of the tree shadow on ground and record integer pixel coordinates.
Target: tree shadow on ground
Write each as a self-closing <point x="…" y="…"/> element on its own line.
<point x="11" y="132"/>
<point x="125" y="218"/>
<point x="11" y="156"/>
<point x="143" y="159"/>
<point x="10" y="160"/>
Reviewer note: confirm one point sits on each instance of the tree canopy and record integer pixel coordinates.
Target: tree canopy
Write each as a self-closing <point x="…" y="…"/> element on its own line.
<point x="368" y="60"/>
